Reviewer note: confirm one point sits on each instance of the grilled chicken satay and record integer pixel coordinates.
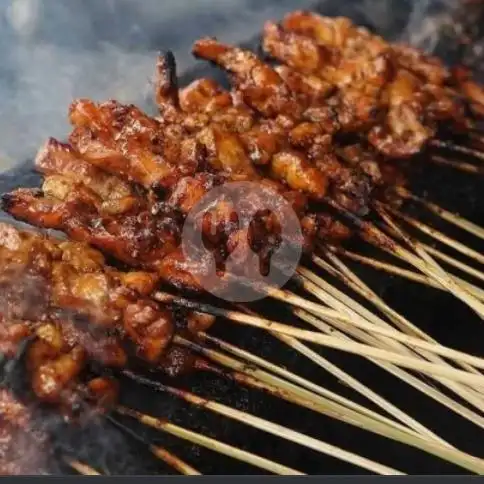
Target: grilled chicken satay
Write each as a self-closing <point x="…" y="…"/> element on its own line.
<point x="52" y="283"/>
<point x="306" y="149"/>
<point x="227" y="152"/>
<point x="473" y="91"/>
<point x="294" y="152"/>
<point x="72" y="276"/>
<point x="361" y="77"/>
<point x="372" y="79"/>
<point x="357" y="81"/>
<point x="123" y="140"/>
<point x="140" y="233"/>
<point x="57" y="359"/>
<point x="261" y="87"/>
<point x="264" y="142"/>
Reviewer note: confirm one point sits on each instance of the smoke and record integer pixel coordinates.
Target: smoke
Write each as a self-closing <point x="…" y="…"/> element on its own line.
<point x="54" y="51"/>
<point x="427" y="22"/>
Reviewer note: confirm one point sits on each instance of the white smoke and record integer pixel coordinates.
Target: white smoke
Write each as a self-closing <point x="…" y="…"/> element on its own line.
<point x="55" y="50"/>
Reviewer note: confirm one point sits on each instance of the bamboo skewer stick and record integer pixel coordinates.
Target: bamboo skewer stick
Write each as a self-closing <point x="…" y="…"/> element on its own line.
<point x="317" y="338"/>
<point x="81" y="467"/>
<point x="174" y="461"/>
<point x="342" y="312"/>
<point x="159" y="452"/>
<point x="405" y="273"/>
<point x="457" y="165"/>
<point x="344" y="377"/>
<point x="429" y="267"/>
<point x="358" y="286"/>
<point x="453" y="218"/>
<point x="303" y="397"/>
<point x="439" y="236"/>
<point x="422" y="261"/>
<point x="339" y="374"/>
<point x="428" y="390"/>
<point x="453" y="262"/>
<point x="282" y="389"/>
<point x="457" y="148"/>
<point x="373" y="340"/>
<point x="348" y="277"/>
<point x="270" y="427"/>
<point x="209" y="443"/>
<point x="344" y="273"/>
<point x="450" y="454"/>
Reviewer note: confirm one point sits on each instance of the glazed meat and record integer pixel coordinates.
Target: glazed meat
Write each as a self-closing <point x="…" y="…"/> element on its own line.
<point x="125" y="141"/>
<point x="261" y="87"/>
<point x="41" y="276"/>
<point x="396" y="91"/>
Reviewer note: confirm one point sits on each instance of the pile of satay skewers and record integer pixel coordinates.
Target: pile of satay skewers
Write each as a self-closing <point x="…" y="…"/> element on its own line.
<point x="334" y="131"/>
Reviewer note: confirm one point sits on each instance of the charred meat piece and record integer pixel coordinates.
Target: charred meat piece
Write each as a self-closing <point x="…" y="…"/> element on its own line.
<point x="75" y="279"/>
<point x="262" y="88"/>
<point x="124" y="141"/>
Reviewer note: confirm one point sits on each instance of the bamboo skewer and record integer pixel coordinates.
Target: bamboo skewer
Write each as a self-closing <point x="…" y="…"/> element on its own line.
<point x="405" y="273"/>
<point x="465" y="150"/>
<point x="453" y="218"/>
<point x="159" y="452"/>
<point x="209" y="443"/>
<point x="429" y="267"/>
<point x="349" y="278"/>
<point x="174" y="461"/>
<point x="269" y="427"/>
<point x="439" y="236"/>
<point x="457" y="165"/>
<point x="453" y="262"/>
<point x="422" y="261"/>
<point x="428" y="390"/>
<point x="81" y="467"/>
<point x="303" y="397"/>
<point x="357" y="284"/>
<point x="343" y="272"/>
<point x="341" y="311"/>
<point x="450" y="454"/>
<point x="317" y="338"/>
<point x="372" y="339"/>
<point x="332" y="369"/>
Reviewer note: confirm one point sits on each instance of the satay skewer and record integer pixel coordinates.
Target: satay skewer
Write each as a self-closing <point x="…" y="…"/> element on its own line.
<point x="402" y="272"/>
<point x="441" y="212"/>
<point x="464" y="150"/>
<point x="348" y="277"/>
<point x="457" y="457"/>
<point x="266" y="426"/>
<point x="81" y="467"/>
<point x="258" y="378"/>
<point x="316" y="338"/>
<point x="158" y="451"/>
<point x="439" y="236"/>
<point x="458" y="165"/>
<point x="406" y="377"/>
<point x="209" y="443"/>
<point x="304" y="383"/>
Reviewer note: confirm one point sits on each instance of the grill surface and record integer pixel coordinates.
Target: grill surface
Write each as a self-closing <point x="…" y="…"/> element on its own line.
<point x="111" y="451"/>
